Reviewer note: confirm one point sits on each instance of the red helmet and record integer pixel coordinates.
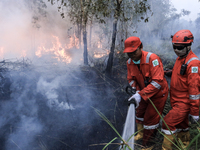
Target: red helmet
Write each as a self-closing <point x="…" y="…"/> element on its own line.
<point x="183" y="37"/>
<point x="131" y="44"/>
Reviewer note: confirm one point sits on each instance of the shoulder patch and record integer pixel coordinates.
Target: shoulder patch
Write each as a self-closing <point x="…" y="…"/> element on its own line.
<point x="155" y="62"/>
<point x="194" y="69"/>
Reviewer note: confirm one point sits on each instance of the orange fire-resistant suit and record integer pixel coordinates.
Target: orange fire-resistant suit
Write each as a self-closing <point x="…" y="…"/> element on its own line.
<point x="151" y="70"/>
<point x="184" y="94"/>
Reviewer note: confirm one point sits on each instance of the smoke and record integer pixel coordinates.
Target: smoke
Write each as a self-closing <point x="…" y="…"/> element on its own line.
<point x="29" y="27"/>
<point x="50" y="91"/>
<point x="14" y="26"/>
<point x="22" y="138"/>
<point x="164" y="22"/>
<point x="49" y="99"/>
<point x="52" y="109"/>
<point x="47" y="103"/>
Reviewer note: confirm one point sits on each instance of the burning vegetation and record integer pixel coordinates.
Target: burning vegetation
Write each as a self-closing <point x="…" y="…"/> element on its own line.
<point x="48" y="94"/>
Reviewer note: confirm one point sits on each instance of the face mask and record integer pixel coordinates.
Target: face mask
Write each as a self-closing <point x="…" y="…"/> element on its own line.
<point x="181" y="53"/>
<point x="136" y="62"/>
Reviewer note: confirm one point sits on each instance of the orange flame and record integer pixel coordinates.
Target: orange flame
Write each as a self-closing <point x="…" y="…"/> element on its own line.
<point x="23" y="53"/>
<point x="99" y="44"/>
<point x="58" y="50"/>
<point x="97" y="55"/>
<point x="100" y="55"/>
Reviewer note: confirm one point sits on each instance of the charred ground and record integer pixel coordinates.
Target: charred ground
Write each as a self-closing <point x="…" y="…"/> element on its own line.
<point x="54" y="109"/>
<point x="51" y="107"/>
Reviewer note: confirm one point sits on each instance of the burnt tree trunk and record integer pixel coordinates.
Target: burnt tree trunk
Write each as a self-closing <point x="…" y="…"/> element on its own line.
<point x="84" y="14"/>
<point x="90" y="37"/>
<point x="109" y="66"/>
<point x="111" y="54"/>
<point x="85" y="53"/>
<point x="79" y="32"/>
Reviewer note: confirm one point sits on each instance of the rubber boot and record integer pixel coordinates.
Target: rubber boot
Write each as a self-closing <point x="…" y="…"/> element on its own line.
<point x="184" y="137"/>
<point x="148" y="136"/>
<point x="140" y="133"/>
<point x="167" y="145"/>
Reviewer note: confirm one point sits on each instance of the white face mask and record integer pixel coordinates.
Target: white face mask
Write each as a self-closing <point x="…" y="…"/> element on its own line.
<point x="182" y="53"/>
<point x="136" y="62"/>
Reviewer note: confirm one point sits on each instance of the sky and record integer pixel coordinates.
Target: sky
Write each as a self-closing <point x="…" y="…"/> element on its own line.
<point x="191" y="5"/>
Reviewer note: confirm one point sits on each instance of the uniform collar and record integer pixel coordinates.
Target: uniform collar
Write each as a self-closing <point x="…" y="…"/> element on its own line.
<point x="187" y="57"/>
<point x="142" y="59"/>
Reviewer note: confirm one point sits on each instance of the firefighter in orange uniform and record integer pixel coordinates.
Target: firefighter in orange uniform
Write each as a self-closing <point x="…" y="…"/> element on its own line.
<point x="184" y="91"/>
<point x="146" y="75"/>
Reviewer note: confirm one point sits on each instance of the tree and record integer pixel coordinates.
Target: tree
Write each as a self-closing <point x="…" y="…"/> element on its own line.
<point x="120" y="11"/>
<point x="79" y="12"/>
<point x="111" y="54"/>
<point x="85" y="10"/>
<point x="164" y="14"/>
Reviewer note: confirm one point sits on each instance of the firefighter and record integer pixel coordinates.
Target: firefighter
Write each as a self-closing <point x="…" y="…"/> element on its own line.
<point x="146" y="75"/>
<point x="184" y="91"/>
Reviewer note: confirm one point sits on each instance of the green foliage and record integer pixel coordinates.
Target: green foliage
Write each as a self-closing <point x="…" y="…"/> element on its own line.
<point x="195" y="139"/>
<point x="124" y="144"/>
<point x="101" y="9"/>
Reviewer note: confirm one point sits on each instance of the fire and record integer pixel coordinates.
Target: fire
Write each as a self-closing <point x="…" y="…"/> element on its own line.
<point x="58" y="50"/>
<point x="23" y="53"/>
<point x="100" y="55"/>
<point x="99" y="44"/>
<point x="74" y="42"/>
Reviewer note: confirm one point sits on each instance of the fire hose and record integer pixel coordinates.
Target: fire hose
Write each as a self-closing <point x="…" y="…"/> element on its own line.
<point x="129" y="126"/>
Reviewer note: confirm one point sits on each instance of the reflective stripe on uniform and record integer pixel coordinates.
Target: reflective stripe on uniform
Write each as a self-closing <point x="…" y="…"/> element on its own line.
<point x="151" y="127"/>
<point x="148" y="56"/>
<point x="191" y="59"/>
<point x="131" y="83"/>
<point x="141" y="119"/>
<point x="158" y="86"/>
<point x="168" y="132"/>
<point x="179" y="130"/>
<point x="194" y="97"/>
<point x="194" y="117"/>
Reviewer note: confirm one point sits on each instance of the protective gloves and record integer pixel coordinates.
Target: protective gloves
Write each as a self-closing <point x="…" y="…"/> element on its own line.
<point x="193" y="119"/>
<point x="137" y="98"/>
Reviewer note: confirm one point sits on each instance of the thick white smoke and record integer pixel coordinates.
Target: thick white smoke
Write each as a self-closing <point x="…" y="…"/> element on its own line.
<point x="15" y="28"/>
<point x="35" y="30"/>
<point x="49" y="89"/>
<point x="46" y="99"/>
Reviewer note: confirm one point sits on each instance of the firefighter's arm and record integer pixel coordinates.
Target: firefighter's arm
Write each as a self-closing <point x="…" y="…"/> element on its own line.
<point x="157" y="76"/>
<point x="152" y="89"/>
<point x="193" y="88"/>
<point x="131" y="80"/>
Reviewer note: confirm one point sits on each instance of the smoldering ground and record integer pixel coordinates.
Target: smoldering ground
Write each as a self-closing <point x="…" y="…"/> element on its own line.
<point x="47" y="104"/>
<point x="53" y="110"/>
